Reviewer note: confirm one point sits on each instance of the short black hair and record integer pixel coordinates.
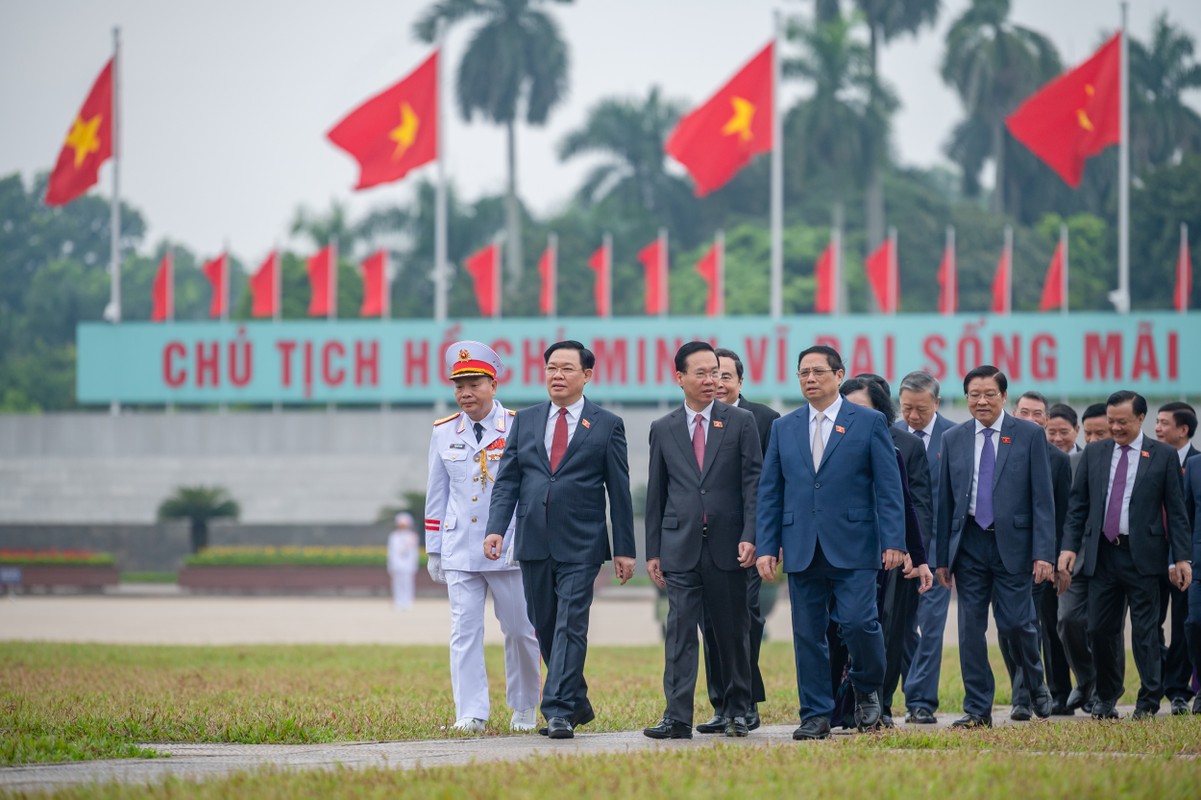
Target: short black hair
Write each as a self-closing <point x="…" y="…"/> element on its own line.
<point x="687" y="349"/>
<point x="832" y="357"/>
<point x="879" y="379"/>
<point x="1094" y="410"/>
<point x="587" y="359"/>
<point x="875" y="392"/>
<point x="987" y="371"/>
<point x="1065" y="412"/>
<point x="1183" y="414"/>
<point x="1137" y="402"/>
<point x="1037" y="397"/>
<point x="722" y="352"/>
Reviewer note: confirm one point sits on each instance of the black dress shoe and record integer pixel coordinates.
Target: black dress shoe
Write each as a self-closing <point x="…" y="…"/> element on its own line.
<point x="1179" y="707"/>
<point x="582" y="716"/>
<point x="921" y="716"/>
<point x="969" y="721"/>
<point x="559" y="728"/>
<point x="886" y="721"/>
<point x="1103" y="710"/>
<point x="1061" y="710"/>
<point x="867" y="710"/>
<point x="1043" y="703"/>
<point x="1090" y="705"/>
<point x="813" y="728"/>
<point x="752" y="719"/>
<point x="716" y="725"/>
<point x="1079" y="696"/>
<point x="1144" y="713"/>
<point x="737" y="727"/>
<point x="669" y="728"/>
<point x="1021" y="713"/>
<point x="1197" y="704"/>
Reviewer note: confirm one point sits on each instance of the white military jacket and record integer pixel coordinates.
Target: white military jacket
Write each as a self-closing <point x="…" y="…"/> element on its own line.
<point x="461" y="474"/>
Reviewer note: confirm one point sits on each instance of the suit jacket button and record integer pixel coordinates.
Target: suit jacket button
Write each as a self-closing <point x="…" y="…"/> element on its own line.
<point x="703" y="491"/>
<point x="473" y="519"/>
<point x="817" y="486"/>
<point x="552" y="480"/>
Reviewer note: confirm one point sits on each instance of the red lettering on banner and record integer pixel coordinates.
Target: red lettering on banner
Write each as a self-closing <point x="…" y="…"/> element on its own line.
<point x="417" y="368"/>
<point x="172" y="377"/>
<point x="308" y="369"/>
<point x="1008" y="360"/>
<point x="331" y="374"/>
<point x="611" y="359"/>
<point x="933" y="348"/>
<point x="861" y="356"/>
<point x="1103" y="360"/>
<point x="1044" y="364"/>
<point x="756" y="358"/>
<point x="366" y="363"/>
<point x="242" y="378"/>
<point x="641" y="346"/>
<point x="781" y="353"/>
<point x="1145" y="358"/>
<point x="1173" y="356"/>
<point x="285" y="348"/>
<point x="208" y="363"/>
<point x="504" y="350"/>
<point x="665" y="359"/>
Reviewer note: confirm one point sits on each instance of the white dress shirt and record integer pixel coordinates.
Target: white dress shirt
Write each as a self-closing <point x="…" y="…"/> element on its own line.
<point x="1182" y="453"/>
<point x="928" y="431"/>
<point x="573" y="417"/>
<point x="706" y="416"/>
<point x="828" y="424"/>
<point x="1132" y="457"/>
<point x="996" y="449"/>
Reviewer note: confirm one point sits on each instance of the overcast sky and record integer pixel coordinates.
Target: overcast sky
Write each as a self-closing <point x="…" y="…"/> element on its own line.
<point x="226" y="103"/>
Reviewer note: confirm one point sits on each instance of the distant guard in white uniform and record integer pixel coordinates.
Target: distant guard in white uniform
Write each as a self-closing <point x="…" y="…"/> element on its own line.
<point x="465" y="453"/>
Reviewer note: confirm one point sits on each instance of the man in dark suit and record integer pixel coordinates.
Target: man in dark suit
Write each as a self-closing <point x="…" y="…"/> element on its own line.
<point x="1125" y="492"/>
<point x="1192" y="625"/>
<point x="1176" y="425"/>
<point x="564" y="456"/>
<point x="704" y="468"/>
<point x="1063" y="429"/>
<point x="729" y="391"/>
<point x="996" y="525"/>
<point x="919" y="393"/>
<point x="830" y="496"/>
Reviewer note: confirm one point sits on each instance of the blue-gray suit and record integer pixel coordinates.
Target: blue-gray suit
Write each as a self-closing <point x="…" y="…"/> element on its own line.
<point x="833" y="524"/>
<point x="1192" y="502"/>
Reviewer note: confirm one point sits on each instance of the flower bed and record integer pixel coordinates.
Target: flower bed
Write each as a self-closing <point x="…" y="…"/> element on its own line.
<point x="266" y="570"/>
<point x="54" y="557"/>
<point x="83" y="570"/>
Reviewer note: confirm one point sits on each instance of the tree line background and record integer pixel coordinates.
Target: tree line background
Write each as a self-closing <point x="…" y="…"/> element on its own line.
<point x="838" y="152"/>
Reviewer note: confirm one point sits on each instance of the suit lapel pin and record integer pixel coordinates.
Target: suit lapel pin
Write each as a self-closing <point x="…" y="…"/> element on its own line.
<point x="717" y="423"/>
<point x="1005" y="440"/>
<point x="1145" y="454"/>
<point x="840" y="429"/>
<point x="586" y="423"/>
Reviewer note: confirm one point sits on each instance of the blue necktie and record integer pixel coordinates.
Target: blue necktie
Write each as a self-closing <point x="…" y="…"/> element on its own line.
<point x="988" y="461"/>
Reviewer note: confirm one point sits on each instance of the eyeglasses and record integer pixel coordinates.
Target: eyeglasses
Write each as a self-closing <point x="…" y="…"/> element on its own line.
<point x="701" y="374"/>
<point x="566" y="372"/>
<point x="991" y="394"/>
<point x="817" y="372"/>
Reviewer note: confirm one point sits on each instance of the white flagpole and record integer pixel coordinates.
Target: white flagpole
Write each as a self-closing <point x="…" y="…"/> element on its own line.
<point x="332" y="280"/>
<point x="662" y="268"/>
<point x="720" y="277"/>
<point x="1063" y="238"/>
<point x="1122" y="301"/>
<point x="893" y="270"/>
<point x="1182" y="282"/>
<point x="170" y="284"/>
<point x="837" y="270"/>
<point x="777" y="180"/>
<point x="953" y="272"/>
<point x="552" y="277"/>
<point x="1008" y="269"/>
<point x="115" y="207"/>
<point x="440" y="194"/>
<point x="386" y="284"/>
<point x="498" y="276"/>
<point x="608" y="259"/>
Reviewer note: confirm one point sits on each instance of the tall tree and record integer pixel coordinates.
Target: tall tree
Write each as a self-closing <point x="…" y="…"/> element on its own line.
<point x="1163" y="126"/>
<point x="517" y="59"/>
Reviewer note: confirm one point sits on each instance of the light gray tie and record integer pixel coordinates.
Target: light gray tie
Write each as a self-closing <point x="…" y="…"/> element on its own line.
<point x="819" y="446"/>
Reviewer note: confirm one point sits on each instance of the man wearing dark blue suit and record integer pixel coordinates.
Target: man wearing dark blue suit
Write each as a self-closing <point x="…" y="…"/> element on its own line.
<point x="1192" y="502"/>
<point x="830" y="497"/>
<point x="996" y="525"/>
<point x="563" y="457"/>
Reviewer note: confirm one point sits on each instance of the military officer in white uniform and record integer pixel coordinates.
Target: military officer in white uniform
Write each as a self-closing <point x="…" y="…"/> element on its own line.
<point x="465" y="453"/>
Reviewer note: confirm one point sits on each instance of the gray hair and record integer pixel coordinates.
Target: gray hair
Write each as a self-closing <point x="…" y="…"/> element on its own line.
<point x="920" y="381"/>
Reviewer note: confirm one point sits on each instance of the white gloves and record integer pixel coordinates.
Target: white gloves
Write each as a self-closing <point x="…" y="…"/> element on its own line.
<point x="434" y="566"/>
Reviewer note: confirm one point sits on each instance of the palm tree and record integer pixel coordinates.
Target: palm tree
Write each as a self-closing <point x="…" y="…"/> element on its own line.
<point x="516" y="59"/>
<point x="994" y="64"/>
<point x="1163" y="127"/>
<point x="199" y="504"/>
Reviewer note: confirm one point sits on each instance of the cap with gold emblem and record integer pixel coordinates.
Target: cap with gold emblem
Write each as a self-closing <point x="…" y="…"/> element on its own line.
<point x="468" y="359"/>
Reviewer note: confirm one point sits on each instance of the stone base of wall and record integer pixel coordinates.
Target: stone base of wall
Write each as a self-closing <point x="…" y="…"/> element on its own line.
<point x="50" y="577"/>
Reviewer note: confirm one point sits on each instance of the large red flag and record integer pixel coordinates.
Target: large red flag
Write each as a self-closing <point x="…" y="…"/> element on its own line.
<point x="323" y="271"/>
<point x="823" y="275"/>
<point x="548" y="267"/>
<point x="163" y="292"/>
<point x="601" y="263"/>
<point x="721" y="137"/>
<point x="948" y="294"/>
<point x="263" y="286"/>
<point x="375" y="285"/>
<point x="1075" y="116"/>
<point x="1001" y="300"/>
<point x="396" y="131"/>
<point x="217" y="271"/>
<point x="881" y="267"/>
<point x="484" y="267"/>
<point x="1053" y="285"/>
<point x="1184" y="273"/>
<point x="653" y="258"/>
<point x="710" y="268"/>
<point x="89" y="144"/>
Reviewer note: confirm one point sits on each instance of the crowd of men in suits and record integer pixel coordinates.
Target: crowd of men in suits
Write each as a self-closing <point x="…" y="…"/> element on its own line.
<point x="858" y="509"/>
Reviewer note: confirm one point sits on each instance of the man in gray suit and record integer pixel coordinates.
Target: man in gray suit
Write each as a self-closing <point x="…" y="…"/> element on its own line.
<point x="996" y="526"/>
<point x="705" y="461"/>
<point x="562" y="459"/>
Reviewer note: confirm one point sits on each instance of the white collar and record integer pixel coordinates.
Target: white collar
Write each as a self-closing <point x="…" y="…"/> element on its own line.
<point x="996" y="424"/>
<point x="830" y="413"/>
<point x="574" y="410"/>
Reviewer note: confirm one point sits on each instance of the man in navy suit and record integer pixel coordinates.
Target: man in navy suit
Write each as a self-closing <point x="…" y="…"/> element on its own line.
<point x="1192" y="625"/>
<point x="564" y="456"/>
<point x="996" y="526"/>
<point x="830" y="497"/>
<point x="919" y="394"/>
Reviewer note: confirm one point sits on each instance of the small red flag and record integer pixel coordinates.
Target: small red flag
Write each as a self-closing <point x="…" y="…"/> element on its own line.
<point x="721" y="137"/>
<point x="823" y="275"/>
<point x="548" y="270"/>
<point x="601" y="263"/>
<point x="217" y="271"/>
<point x="323" y="271"/>
<point x="375" y="285"/>
<point x="653" y="258"/>
<point x="1075" y="116"/>
<point x="1001" y="302"/>
<point x="395" y="131"/>
<point x="1053" y="285"/>
<point x="1184" y="273"/>
<point x="881" y="267"/>
<point x="163" y="292"/>
<point x="709" y="268"/>
<point x="484" y="267"/>
<point x="89" y="144"/>
<point x="948" y="294"/>
<point x="263" y="287"/>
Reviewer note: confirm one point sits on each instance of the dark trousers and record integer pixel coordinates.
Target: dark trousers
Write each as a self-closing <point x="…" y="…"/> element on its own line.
<point x="1116" y="582"/>
<point x="558" y="599"/>
<point x="1177" y="664"/>
<point x="1073" y="633"/>
<point x="981" y="577"/>
<point x="713" y="675"/>
<point x="721" y="596"/>
<point x="1055" y="663"/>
<point x="899" y="620"/>
<point x="1192" y="625"/>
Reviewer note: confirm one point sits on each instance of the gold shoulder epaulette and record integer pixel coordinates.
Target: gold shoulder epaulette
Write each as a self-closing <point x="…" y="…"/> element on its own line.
<point x="438" y="422"/>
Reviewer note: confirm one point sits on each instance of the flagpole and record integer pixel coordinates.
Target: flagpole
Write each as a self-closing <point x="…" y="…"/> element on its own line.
<point x="1122" y="301"/>
<point x="552" y="278"/>
<point x="1063" y="240"/>
<point x="1182" y="278"/>
<point x="440" y="196"/>
<point x="662" y="268"/>
<point x="331" y="313"/>
<point x="386" y="280"/>
<point x="498" y="276"/>
<point x="721" y="273"/>
<point x="225" y="281"/>
<point x="1008" y="269"/>
<point x="276" y="264"/>
<point x="777" y="180"/>
<point x="170" y="284"/>
<point x="893" y="277"/>
<point x="115" y="207"/>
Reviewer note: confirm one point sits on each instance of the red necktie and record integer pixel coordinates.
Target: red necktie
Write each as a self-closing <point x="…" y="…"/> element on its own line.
<point x="558" y="445"/>
<point x="698" y="442"/>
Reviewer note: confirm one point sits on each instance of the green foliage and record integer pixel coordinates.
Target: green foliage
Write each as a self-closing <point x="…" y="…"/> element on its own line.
<point x="198" y="502"/>
<point x="289" y="556"/>
<point x="30" y="558"/>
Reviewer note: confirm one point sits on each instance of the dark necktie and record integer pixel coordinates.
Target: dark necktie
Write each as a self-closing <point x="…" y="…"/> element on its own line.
<point x="922" y="435"/>
<point x="698" y="441"/>
<point x="558" y="444"/>
<point x="988" y="461"/>
<point x="479" y="432"/>
<point x="1113" y="511"/>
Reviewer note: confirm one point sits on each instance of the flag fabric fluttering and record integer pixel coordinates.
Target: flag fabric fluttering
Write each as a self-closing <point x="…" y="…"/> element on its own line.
<point x="653" y="258"/>
<point x="264" y="285"/>
<point x="1053" y="297"/>
<point x="948" y="278"/>
<point x="601" y="262"/>
<point x="823" y="274"/>
<point x="719" y="138"/>
<point x="163" y="291"/>
<point x="89" y="144"/>
<point x="1075" y="116"/>
<point x="881" y="268"/>
<point x="217" y="271"/>
<point x="484" y="268"/>
<point x="323" y="272"/>
<point x="710" y="268"/>
<point x="375" y="285"/>
<point x="548" y="267"/>
<point x="1184" y="273"/>
<point x="1001" y="296"/>
<point x="395" y="131"/>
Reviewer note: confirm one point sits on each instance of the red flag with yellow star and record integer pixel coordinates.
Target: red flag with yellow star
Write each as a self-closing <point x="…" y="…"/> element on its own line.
<point x="1075" y="116"/>
<point x="396" y="131"/>
<point x="89" y="144"/>
<point x="721" y="137"/>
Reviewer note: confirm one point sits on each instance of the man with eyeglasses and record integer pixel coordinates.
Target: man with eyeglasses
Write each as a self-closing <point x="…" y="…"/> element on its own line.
<point x="563" y="458"/>
<point x="831" y="499"/>
<point x="995" y="532"/>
